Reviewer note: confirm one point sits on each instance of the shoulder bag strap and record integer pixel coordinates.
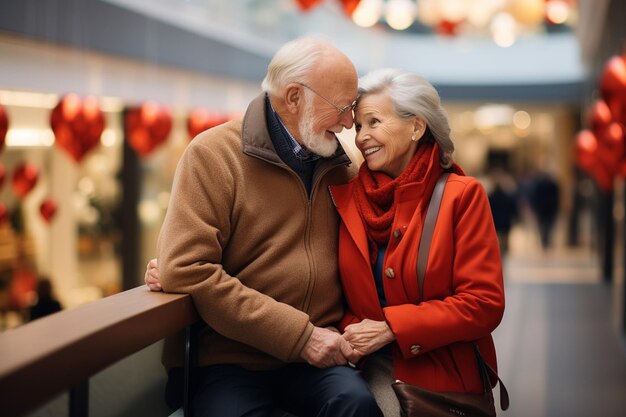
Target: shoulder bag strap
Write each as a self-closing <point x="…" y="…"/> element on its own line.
<point x="422" y="261"/>
<point x="427" y="232"/>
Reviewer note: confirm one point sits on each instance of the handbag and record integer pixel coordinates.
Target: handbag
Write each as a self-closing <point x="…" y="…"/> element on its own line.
<point x="418" y="402"/>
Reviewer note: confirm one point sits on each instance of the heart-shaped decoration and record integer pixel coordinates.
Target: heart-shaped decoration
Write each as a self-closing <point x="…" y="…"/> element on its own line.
<point x="147" y="127"/>
<point x="613" y="78"/>
<point x="48" y="209"/>
<point x="77" y="125"/>
<point x="24" y="179"/>
<point x="201" y="119"/>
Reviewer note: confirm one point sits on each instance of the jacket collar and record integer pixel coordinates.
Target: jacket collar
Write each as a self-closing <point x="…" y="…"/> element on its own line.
<point x="257" y="141"/>
<point x="342" y="197"/>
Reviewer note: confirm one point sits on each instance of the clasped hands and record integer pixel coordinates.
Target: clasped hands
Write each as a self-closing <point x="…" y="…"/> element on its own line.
<point x="327" y="347"/>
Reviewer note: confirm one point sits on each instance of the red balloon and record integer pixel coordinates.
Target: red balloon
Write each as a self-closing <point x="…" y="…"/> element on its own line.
<point x="201" y="119"/>
<point x="603" y="177"/>
<point x="147" y="127"/>
<point x="613" y="78"/>
<point x="4" y="214"/>
<point x="24" y="179"/>
<point x="622" y="169"/>
<point x="447" y="28"/>
<point x="2" y="175"/>
<point x="586" y="149"/>
<point x="349" y="6"/>
<point x="77" y="125"/>
<point x="597" y="159"/>
<point x="307" y="5"/>
<point x="4" y="126"/>
<point x="600" y="114"/>
<point x="48" y="209"/>
<point x="617" y="106"/>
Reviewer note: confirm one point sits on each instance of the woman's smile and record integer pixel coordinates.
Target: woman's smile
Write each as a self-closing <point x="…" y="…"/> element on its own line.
<point x="370" y="151"/>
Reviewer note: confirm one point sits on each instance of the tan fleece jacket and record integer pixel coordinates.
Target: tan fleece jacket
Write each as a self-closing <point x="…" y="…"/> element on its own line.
<point x="257" y="256"/>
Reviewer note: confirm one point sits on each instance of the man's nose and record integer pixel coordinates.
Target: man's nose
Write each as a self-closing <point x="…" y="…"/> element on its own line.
<point x="347" y="120"/>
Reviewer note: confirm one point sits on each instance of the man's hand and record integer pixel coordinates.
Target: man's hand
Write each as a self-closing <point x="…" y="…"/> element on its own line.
<point x="326" y="348"/>
<point x="152" y="277"/>
<point x="368" y="336"/>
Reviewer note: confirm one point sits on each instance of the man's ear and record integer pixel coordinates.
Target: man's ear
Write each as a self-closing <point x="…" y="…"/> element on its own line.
<point x="293" y="97"/>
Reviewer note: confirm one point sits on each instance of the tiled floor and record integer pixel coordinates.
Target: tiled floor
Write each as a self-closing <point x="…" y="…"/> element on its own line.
<point x="560" y="346"/>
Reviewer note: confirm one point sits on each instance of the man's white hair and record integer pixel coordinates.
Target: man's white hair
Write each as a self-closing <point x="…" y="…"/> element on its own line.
<point x="294" y="62"/>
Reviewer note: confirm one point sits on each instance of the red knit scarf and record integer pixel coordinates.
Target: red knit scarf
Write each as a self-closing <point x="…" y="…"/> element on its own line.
<point x="374" y="192"/>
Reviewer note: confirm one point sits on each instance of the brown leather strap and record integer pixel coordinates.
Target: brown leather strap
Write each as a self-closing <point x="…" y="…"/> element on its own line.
<point x="427" y="231"/>
<point x="422" y="261"/>
<point x="484" y="377"/>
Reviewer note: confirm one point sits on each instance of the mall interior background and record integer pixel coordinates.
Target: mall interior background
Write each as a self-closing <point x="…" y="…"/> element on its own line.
<point x="516" y="108"/>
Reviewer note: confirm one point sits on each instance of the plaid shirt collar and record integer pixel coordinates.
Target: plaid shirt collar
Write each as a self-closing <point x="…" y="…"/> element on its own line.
<point x="298" y="150"/>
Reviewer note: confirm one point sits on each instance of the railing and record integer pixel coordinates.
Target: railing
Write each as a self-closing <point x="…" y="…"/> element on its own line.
<point x="49" y="356"/>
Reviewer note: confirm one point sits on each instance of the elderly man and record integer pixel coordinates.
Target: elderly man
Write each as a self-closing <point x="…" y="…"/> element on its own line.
<point x="251" y="234"/>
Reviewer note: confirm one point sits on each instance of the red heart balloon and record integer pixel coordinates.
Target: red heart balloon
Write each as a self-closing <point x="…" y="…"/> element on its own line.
<point x="586" y="148"/>
<point x="613" y="78"/>
<point x="24" y="179"/>
<point x="617" y="105"/>
<point x="611" y="146"/>
<point x="600" y="114"/>
<point x="4" y="214"/>
<point x="77" y="125"/>
<point x="349" y="6"/>
<point x="48" y="209"/>
<point x="603" y="177"/>
<point x="622" y="169"/>
<point x="4" y="126"/>
<point x="447" y="28"/>
<point x="307" y="5"/>
<point x="147" y="127"/>
<point x="201" y="119"/>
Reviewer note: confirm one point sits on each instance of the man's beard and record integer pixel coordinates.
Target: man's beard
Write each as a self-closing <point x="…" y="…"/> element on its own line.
<point x="314" y="142"/>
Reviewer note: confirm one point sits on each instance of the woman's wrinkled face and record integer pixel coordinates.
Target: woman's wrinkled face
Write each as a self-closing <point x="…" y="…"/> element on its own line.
<point x="383" y="137"/>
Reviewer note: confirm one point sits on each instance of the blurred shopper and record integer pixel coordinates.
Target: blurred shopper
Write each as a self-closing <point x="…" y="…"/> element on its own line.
<point x="504" y="208"/>
<point x="544" y="202"/>
<point x="251" y="234"/>
<point x="45" y="303"/>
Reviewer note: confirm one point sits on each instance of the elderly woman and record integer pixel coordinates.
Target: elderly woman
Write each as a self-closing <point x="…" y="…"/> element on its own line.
<point x="404" y="136"/>
<point x="422" y="336"/>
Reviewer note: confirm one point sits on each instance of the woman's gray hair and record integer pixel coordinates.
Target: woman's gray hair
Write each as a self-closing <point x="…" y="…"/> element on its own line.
<point x="293" y="62"/>
<point x="412" y="96"/>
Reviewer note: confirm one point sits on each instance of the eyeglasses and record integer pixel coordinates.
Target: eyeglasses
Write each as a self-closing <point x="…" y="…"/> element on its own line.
<point x="341" y="110"/>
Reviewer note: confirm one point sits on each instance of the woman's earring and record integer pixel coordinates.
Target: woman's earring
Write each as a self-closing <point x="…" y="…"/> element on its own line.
<point x="414" y="137"/>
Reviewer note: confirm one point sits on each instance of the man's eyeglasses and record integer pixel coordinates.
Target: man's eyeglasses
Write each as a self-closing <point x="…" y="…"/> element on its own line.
<point x="341" y="110"/>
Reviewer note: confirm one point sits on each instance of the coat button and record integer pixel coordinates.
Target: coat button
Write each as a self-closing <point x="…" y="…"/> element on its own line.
<point x="397" y="233"/>
<point x="389" y="272"/>
<point x="415" y="349"/>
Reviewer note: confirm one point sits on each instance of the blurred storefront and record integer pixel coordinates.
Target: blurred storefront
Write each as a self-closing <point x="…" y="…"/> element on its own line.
<point x="90" y="220"/>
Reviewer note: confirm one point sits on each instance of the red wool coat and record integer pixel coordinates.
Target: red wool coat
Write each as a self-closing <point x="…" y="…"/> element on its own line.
<point x="463" y="286"/>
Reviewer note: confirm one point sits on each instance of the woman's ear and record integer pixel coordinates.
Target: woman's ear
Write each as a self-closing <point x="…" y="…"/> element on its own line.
<point x="293" y="97"/>
<point x="419" y="128"/>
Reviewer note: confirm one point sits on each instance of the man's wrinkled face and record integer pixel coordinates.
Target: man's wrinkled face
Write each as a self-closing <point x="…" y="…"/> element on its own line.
<point x="325" y="112"/>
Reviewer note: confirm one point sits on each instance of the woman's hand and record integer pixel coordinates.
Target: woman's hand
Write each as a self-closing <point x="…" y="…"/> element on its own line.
<point x="368" y="336"/>
<point x="152" y="277"/>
